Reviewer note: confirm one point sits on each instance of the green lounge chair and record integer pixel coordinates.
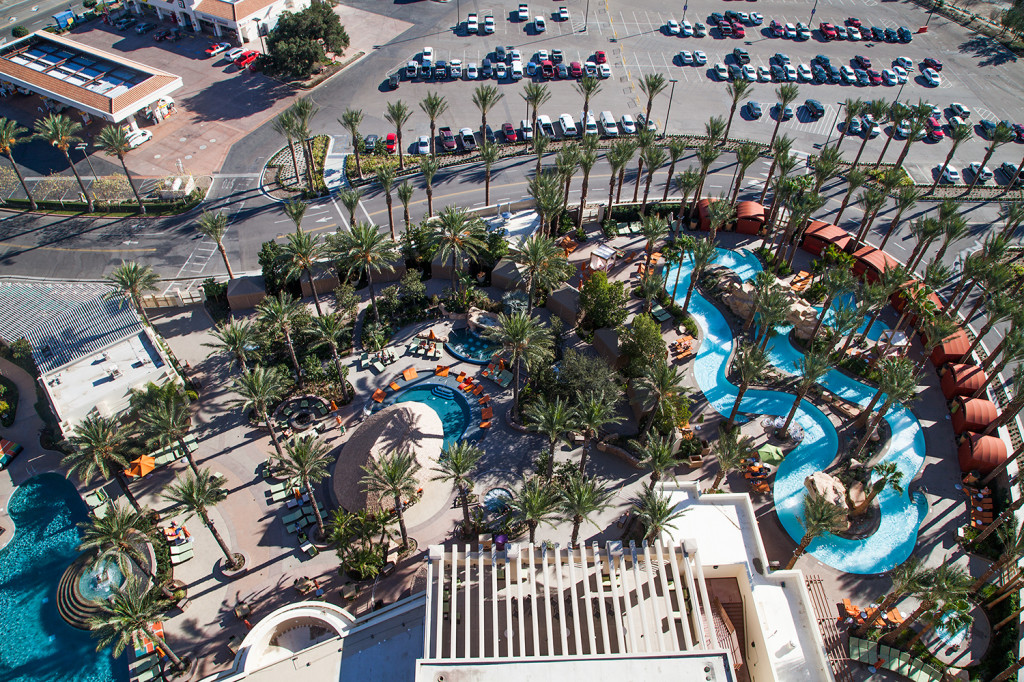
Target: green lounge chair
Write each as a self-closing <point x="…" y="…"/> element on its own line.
<point x="377" y="367"/>
<point x="93" y="500"/>
<point x="293" y="517"/>
<point x="902" y="664"/>
<point x="181" y="549"/>
<point x="182" y="558"/>
<point x="887" y="655"/>
<point x="278" y="487"/>
<point x="101" y="511"/>
<point x="282" y="495"/>
<point x="298" y="525"/>
<point x="311" y="550"/>
<point x="932" y="674"/>
<point x="143" y="663"/>
<point x="145" y="675"/>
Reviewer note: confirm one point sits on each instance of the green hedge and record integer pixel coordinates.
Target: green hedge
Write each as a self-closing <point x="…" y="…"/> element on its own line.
<point x="10" y="396"/>
<point x="153" y="208"/>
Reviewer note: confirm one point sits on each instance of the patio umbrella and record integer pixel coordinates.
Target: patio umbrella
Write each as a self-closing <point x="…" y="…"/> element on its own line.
<point x="771" y="454"/>
<point x="138" y="468"/>
<point x="892" y="338"/>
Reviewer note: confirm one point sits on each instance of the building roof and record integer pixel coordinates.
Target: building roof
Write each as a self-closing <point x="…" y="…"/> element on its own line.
<point x="232" y="11"/>
<point x="749" y="209"/>
<point x="82" y="76"/>
<point x="64" y="322"/>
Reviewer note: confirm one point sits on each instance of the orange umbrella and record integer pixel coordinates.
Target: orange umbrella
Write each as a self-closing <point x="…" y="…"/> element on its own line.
<point x="141" y="466"/>
<point x="432" y="337"/>
<point x="410" y="374"/>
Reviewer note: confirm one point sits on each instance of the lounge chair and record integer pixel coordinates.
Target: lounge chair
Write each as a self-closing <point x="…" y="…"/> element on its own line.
<point x="378" y="395"/>
<point x="484" y="399"/>
<point x="478" y="390"/>
<point x="462" y="375"/>
<point x="282" y="495"/>
<point x="310" y="549"/>
<point x="182" y="558"/>
<point x="143" y="663"/>
<point x="487" y="413"/>
<point x="485" y="425"/>
<point x="278" y="487"/>
<point x="181" y="549"/>
<point x="298" y="525"/>
<point x="292" y="517"/>
<point x="101" y="511"/>
<point x="146" y="675"/>
<point x="377" y="366"/>
<point x="394" y="386"/>
<point x="94" y="500"/>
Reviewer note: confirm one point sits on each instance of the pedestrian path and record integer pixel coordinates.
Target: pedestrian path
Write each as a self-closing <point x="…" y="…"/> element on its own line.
<point x="334" y="169"/>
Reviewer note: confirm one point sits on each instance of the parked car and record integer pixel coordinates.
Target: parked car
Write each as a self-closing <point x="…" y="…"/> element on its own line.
<point x="137" y="137"/>
<point x="472" y="23"/>
<point x="983" y="173"/>
<point x="563" y="13"/>
<point x="575" y="70"/>
<point x="1010" y="172"/>
<point x="628" y="125"/>
<point x="524" y="12"/>
<point x="699" y="58"/>
<point x="600" y="57"/>
<point x="740" y="55"/>
<point x="764" y="74"/>
<point x="700" y="30"/>
<point x="391" y="143"/>
<point x="509" y="132"/>
<point x="171" y="34"/>
<point x="467" y="139"/>
<point x="904" y="62"/>
<point x="932" y="63"/>
<point x="672" y="27"/>
<point x="931" y="77"/>
<point x="828" y="31"/>
<point x="642" y="122"/>
<point x="246" y="59"/>
<point x="754" y="109"/>
<point x="216" y="48"/>
<point x="686" y="28"/>
<point x="557" y="56"/>
<point x="960" y="110"/>
<point x="783" y="113"/>
<point x="545" y="127"/>
<point x="604" y="71"/>
<point x="488" y="24"/>
<point x="721" y="73"/>
<point x="423" y="144"/>
<point x="370" y="143"/>
<point x="447" y="138"/>
<point x="814" y="108"/>
<point x="526" y="129"/>
<point x="686" y="57"/>
<point x="539" y="25"/>
<point x="125" y="23"/>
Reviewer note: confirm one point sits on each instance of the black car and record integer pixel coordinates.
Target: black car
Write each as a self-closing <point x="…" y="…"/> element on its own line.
<point x="754" y="109"/>
<point x="1010" y="171"/>
<point x="499" y="53"/>
<point x="556" y="56"/>
<point x="716" y="18"/>
<point x="486" y="70"/>
<point x="820" y="75"/>
<point x="489" y="134"/>
<point x="835" y="74"/>
<point x="814" y="108"/>
<point x="890" y="35"/>
<point x="736" y="72"/>
<point x="822" y="60"/>
<point x="862" y="61"/>
<point x="370" y="142"/>
<point x="741" y="55"/>
<point x="425" y="72"/>
<point x="441" y="71"/>
<point x="878" y="33"/>
<point x="904" y="34"/>
<point x="125" y="24"/>
<point x="779" y="73"/>
<point x="393" y="80"/>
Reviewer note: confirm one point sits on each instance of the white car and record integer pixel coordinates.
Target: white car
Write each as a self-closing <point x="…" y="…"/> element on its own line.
<point x="517" y="71"/>
<point x="904" y="62"/>
<point x="590" y="69"/>
<point x="456" y="69"/>
<point x="673" y="27"/>
<point x="889" y="77"/>
<point x="233" y="54"/>
<point x="686" y="28"/>
<point x="686" y="57"/>
<point x="790" y="72"/>
<point x="539" y="25"/>
<point x="628" y="125"/>
<point x="756" y="18"/>
<point x="951" y="175"/>
<point x="604" y="71"/>
<point x="853" y="33"/>
<point x="789" y="30"/>
<point x="138" y="137"/>
<point x="500" y="71"/>
<point x="804" y="72"/>
<point x="750" y="73"/>
<point x="423" y="144"/>
<point x="488" y="24"/>
<point x="472" y="73"/>
<point x="699" y="58"/>
<point x="931" y="77"/>
<point x="764" y="74"/>
<point x="983" y="173"/>
<point x="526" y="129"/>
<point x="721" y="72"/>
<point x="428" y="56"/>
<point x="901" y="74"/>
<point x="542" y="56"/>
<point x="568" y="125"/>
<point x="472" y="24"/>
<point x="563" y="14"/>
<point x="590" y="125"/>
<point x="524" y="12"/>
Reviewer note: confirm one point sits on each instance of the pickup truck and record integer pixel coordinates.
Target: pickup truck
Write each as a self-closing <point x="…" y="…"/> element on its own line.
<point x="468" y="139"/>
<point x="447" y="139"/>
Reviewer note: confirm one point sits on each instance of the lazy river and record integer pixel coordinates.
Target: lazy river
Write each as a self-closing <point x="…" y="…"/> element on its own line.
<point x="900" y="515"/>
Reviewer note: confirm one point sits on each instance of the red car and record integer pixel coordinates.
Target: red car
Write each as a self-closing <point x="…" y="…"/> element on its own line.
<point x="932" y="63"/>
<point x="600" y="57"/>
<point x="391" y="143"/>
<point x="246" y="58"/>
<point x="217" y="48"/>
<point x="876" y="77"/>
<point x="575" y="69"/>
<point x="509" y="131"/>
<point x="827" y="30"/>
<point x="777" y="29"/>
<point x="737" y="30"/>
<point x="853" y="21"/>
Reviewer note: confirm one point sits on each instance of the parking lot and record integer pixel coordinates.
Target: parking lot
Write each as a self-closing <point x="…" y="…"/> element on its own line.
<point x="976" y="71"/>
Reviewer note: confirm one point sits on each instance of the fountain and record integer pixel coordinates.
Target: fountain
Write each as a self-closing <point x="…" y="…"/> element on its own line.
<point x="101" y="580"/>
<point x="86" y="584"/>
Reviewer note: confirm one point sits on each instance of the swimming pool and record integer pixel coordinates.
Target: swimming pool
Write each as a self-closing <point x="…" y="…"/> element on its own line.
<point x="468" y="346"/>
<point x="38" y="645"/>
<point x="454" y="412"/>
<point x="901" y="516"/>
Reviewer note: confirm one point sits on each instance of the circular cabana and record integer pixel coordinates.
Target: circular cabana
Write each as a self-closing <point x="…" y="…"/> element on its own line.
<point x="952" y="349"/>
<point x="410" y="425"/>
<point x="981" y="453"/>
<point x="961" y="379"/>
<point x="972" y="414"/>
<point x="820" y="235"/>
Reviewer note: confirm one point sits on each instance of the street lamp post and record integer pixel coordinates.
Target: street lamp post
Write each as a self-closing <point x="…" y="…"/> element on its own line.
<point x="668" y="113"/>
<point x="82" y="148"/>
<point x="586" y="18"/>
<point x="834" y="123"/>
<point x="810" y="20"/>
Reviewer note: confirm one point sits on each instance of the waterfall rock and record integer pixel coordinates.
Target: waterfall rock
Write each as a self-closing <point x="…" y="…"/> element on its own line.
<point x="829" y="488"/>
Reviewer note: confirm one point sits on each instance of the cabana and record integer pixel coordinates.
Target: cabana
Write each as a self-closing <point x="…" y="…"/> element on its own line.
<point x="704" y="214"/>
<point x="507" y="275"/>
<point x="872" y="262"/>
<point x="606" y="342"/>
<point x="820" y="235"/>
<point x="972" y="414"/>
<point x="958" y="379"/>
<point x="245" y="293"/>
<point x="749" y="217"/>
<point x="952" y="349"/>
<point x="981" y="453"/>
<point x="565" y="302"/>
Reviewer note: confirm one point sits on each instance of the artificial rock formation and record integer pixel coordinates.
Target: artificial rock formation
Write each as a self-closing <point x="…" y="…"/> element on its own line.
<point x="829" y="488"/>
<point x="739" y="297"/>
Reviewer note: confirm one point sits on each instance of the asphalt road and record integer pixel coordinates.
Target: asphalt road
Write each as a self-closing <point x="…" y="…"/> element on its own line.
<point x="32" y="14"/>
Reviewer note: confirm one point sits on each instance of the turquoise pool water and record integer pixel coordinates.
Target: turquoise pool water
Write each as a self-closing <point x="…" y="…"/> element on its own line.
<point x="900" y="515"/>
<point x="847" y="300"/>
<point x="38" y="646"/>
<point x="468" y="346"/>
<point x="454" y="412"/>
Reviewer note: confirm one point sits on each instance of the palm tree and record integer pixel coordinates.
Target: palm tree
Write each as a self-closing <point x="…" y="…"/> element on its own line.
<point x="386" y="178"/>
<point x="897" y="381"/>
<point x="781" y="148"/>
<point x="645" y="140"/>
<point x="908" y="578"/>
<point x="812" y="367"/>
<point x="306" y="459"/>
<point x="853" y="109"/>
<point x="398" y="114"/>
<point x="11" y="134"/>
<point x="351" y="119"/>
<point x="167" y="423"/>
<point x="702" y="252"/>
<point x="656" y="456"/>
<point x="707" y="154"/>
<point x="898" y="113"/>
<point x="946" y="582"/>
<point x="826" y="166"/>
<point x="122" y="533"/>
<point x="284" y="125"/>
<point x="736" y="90"/>
<point x="655" y="511"/>
<point x="126" y="612"/>
<point x="215" y="226"/>
<point x="587" y="87"/>
<point x="836" y="280"/>
<point x="855" y="179"/>
<point x="871" y="200"/>
<point x="730" y="451"/>
<point x="999" y="307"/>
<point x="957" y="136"/>
<point x="429" y="168"/>
<point x="786" y="94"/>
<point x="926" y="230"/>
<point x="133" y="280"/>
<point x="592" y="416"/>
<point x="906" y="199"/>
<point x="545" y="263"/>
<point x="329" y="330"/>
<point x="304" y="110"/>
<point x="524" y="339"/>
<point x="197" y="493"/>
<point x="720" y="212"/>
<point x="652" y="85"/>
<point x="618" y="156"/>
<point x="489" y="154"/>
<point x="676" y="149"/>
<point x="485" y="97"/>
<point x="540" y="148"/>
<point x="1012" y="548"/>
<point x="820" y="517"/>
<point x="916" y="132"/>
<point x="535" y="95"/>
<point x="587" y="160"/>
<point x="457" y="464"/>
<point x="434" y="106"/>
<point x="746" y="154"/>
<point x="664" y="385"/>
<point x="282" y="313"/>
<point x="61" y="132"/>
<point x="886" y="475"/>
<point x="98" y="442"/>
<point x="714" y="129"/>
<point x="457" y="236"/>
<point x="535" y="502"/>
<point x="394" y="474"/>
<point x="301" y="254"/>
<point x="749" y="364"/>
<point x="686" y="184"/>
<point x="581" y="498"/>
<point x="566" y="161"/>
<point x="258" y="389"/>
<point x="553" y="420"/>
<point x="997" y="138"/>
<point x="653" y="229"/>
<point x="350" y="198"/>
<point x="954" y="227"/>
<point x="654" y="157"/>
<point x="113" y="141"/>
<point x="365" y="250"/>
<point x="773" y="309"/>
<point x="405" y="192"/>
<point x="549" y="197"/>
<point x="1012" y="213"/>
<point x="878" y="109"/>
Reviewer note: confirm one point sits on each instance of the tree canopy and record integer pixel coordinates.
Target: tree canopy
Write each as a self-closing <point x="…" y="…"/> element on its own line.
<point x="301" y="40"/>
<point x="602" y="303"/>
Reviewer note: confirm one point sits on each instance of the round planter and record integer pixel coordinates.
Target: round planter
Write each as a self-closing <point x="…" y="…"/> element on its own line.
<point x="232" y="574"/>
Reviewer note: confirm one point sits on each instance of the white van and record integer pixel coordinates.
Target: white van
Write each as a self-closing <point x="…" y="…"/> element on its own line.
<point x="608" y="124"/>
<point x="410" y="69"/>
<point x="568" y="125"/>
<point x="526" y="129"/>
<point x="517" y="71"/>
<point x="589" y="124"/>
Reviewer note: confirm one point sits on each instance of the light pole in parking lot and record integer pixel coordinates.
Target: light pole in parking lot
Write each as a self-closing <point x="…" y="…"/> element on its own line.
<point x="586" y="18"/>
<point x="671" y="94"/>
<point x="834" y="123"/>
<point x="810" y="19"/>
<point x="82" y="148"/>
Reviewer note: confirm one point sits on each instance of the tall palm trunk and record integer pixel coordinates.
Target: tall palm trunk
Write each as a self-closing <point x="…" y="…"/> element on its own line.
<point x="188" y="456"/>
<point x="430" y="199"/>
<point x="273" y="432"/>
<point x="465" y="511"/>
<point x="583" y="196"/>
<point x="135" y="191"/>
<point x="647" y="191"/>
<point x="316" y="510"/>
<point x="887" y="603"/>
<point x="88" y="199"/>
<point x="577" y="521"/>
<point x="373" y="295"/>
<point x="227" y="264"/>
<point x="216" y="536"/>
<point x="162" y="643"/>
<point x="291" y="352"/>
<point x="611" y="194"/>
<point x="316" y="297"/>
<point x="337" y="366"/>
<point x="639" y="173"/>
<point x="31" y="199"/>
<point x="533" y="531"/>
<point x="391" y="217"/>
<point x="798" y="552"/>
<point x="400" y="513"/>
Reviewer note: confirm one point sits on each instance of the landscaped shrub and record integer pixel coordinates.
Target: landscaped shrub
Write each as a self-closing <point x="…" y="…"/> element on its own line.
<point x="643" y="345"/>
<point x="19" y="32"/>
<point x="768" y="258"/>
<point x="602" y="303"/>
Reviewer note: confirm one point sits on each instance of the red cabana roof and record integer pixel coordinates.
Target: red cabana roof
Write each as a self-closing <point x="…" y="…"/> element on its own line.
<point x="820" y="234"/>
<point x="749" y="209"/>
<point x="982" y="453"/>
<point x="749" y="217"/>
<point x="704" y="214"/>
<point x="872" y="261"/>
<point x="960" y="379"/>
<point x="973" y="414"/>
<point x="952" y="349"/>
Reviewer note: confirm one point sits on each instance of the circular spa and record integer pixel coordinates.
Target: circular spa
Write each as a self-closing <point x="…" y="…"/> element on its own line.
<point x="469" y="346"/>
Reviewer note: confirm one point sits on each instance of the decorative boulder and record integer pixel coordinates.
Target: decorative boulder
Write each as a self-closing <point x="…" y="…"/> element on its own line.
<point x="829" y="488"/>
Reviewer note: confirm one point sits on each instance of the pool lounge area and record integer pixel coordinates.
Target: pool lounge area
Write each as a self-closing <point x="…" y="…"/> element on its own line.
<point x="461" y="414"/>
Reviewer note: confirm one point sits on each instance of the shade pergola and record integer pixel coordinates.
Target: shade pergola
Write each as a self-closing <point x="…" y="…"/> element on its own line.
<point x="749" y="217"/>
<point x="961" y="379"/>
<point x="821" y="234"/>
<point x="872" y="262"/>
<point x="981" y="453"/>
<point x="972" y="414"/>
